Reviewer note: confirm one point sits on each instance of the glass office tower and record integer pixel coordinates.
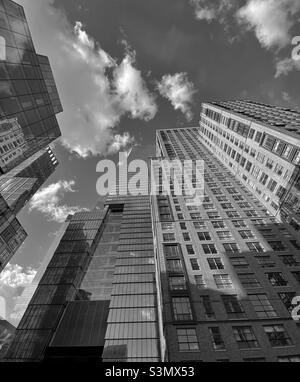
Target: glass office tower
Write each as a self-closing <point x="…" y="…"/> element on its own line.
<point x="98" y="298"/>
<point x="28" y="104"/>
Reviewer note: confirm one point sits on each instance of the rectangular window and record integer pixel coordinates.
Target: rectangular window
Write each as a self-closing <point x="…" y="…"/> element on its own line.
<point x="231" y="247"/>
<point x="190" y="249"/>
<point x="209" y="249"/>
<point x="171" y="251"/>
<point x="276" y="279"/>
<point x="177" y="283"/>
<point x="249" y="280"/>
<point x="195" y="264"/>
<point x="246" y="234"/>
<point x="218" y="224"/>
<point x="215" y="263"/>
<point x="206" y="302"/>
<point x="233" y="307"/>
<point x="223" y="281"/>
<point x="168" y="237"/>
<point x="255" y="247"/>
<point x="186" y="236"/>
<point x="239" y="262"/>
<point x="286" y="298"/>
<point x="245" y="337"/>
<point x="199" y="225"/>
<point x="187" y="340"/>
<point x="200" y="283"/>
<point x="277" y="335"/>
<point x="277" y="246"/>
<point x="217" y="339"/>
<point x="182" y="308"/>
<point x="262" y="306"/>
<point x="239" y="223"/>
<point x="174" y="265"/>
<point x="204" y="236"/>
<point x="289" y="260"/>
<point x="224" y="235"/>
<point x="289" y="358"/>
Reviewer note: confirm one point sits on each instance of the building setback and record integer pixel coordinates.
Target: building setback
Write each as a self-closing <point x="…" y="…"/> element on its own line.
<point x="28" y="104"/>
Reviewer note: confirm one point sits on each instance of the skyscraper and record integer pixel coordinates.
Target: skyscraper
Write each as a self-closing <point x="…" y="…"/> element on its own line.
<point x="172" y="277"/>
<point x="97" y="299"/>
<point x="28" y="104"/>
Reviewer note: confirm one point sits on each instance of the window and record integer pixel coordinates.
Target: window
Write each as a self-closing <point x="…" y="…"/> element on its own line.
<point x="262" y="306"/>
<point x="223" y="235"/>
<point x="277" y="246"/>
<point x="246" y="234"/>
<point x="190" y="249"/>
<point x="183" y="226"/>
<point x="233" y="307"/>
<point x="239" y="262"/>
<point x="223" y="281"/>
<point x="174" y="265"/>
<point x="171" y="251"/>
<point x="296" y="275"/>
<point x="249" y="280"/>
<point x="233" y="214"/>
<point x="186" y="236"/>
<point x="215" y="263"/>
<point x="289" y="260"/>
<point x="277" y="335"/>
<point x="265" y="261"/>
<point x="213" y="215"/>
<point x="168" y="237"/>
<point x="209" y="249"/>
<point x="209" y="313"/>
<point x="245" y="337"/>
<point x="195" y="216"/>
<point x="204" y="236"/>
<point x="167" y="226"/>
<point x="276" y="279"/>
<point x="286" y="298"/>
<point x="295" y="244"/>
<point x="231" y="247"/>
<point x="255" y="247"/>
<point x="200" y="283"/>
<point x="182" y="308"/>
<point x="194" y="264"/>
<point x="199" y="225"/>
<point x="289" y="358"/>
<point x="218" y="224"/>
<point x="187" y="340"/>
<point x="239" y="223"/>
<point x="217" y="340"/>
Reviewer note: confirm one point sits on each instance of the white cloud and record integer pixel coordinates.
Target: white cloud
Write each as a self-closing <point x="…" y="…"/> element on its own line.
<point x="96" y="91"/>
<point x="179" y="91"/>
<point x="121" y="141"/>
<point x="15" y="276"/>
<point x="285" y="66"/>
<point x="271" y="20"/>
<point x="209" y="10"/>
<point x="48" y="201"/>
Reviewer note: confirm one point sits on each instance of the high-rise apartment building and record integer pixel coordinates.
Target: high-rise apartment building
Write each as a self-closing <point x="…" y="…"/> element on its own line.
<point x="28" y="104"/>
<point x="171" y="277"/>
<point x="259" y="144"/>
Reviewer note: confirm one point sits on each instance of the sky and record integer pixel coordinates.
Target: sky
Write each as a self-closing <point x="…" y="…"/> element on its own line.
<point x="125" y="68"/>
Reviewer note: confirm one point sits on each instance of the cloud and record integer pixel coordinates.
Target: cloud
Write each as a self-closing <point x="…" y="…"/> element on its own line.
<point x="95" y="89"/>
<point x="15" y="276"/>
<point x="179" y="91"/>
<point x="48" y="201"/>
<point x="271" y="20"/>
<point x="285" y="66"/>
<point x="210" y="10"/>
